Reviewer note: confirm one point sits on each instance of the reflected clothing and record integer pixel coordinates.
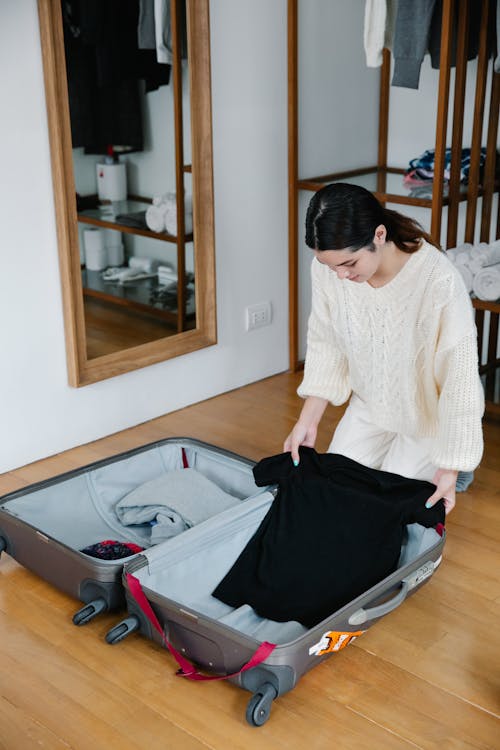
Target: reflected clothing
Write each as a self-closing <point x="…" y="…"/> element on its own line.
<point x="334" y="530"/>
<point x="105" y="69"/>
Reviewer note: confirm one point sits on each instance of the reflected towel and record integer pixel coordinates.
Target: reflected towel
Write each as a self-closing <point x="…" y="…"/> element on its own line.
<point x="155" y="218"/>
<point x="171" y="221"/>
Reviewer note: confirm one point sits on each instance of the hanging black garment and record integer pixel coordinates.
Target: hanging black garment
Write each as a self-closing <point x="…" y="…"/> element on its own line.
<point x="334" y="530"/>
<point x="105" y="69"/>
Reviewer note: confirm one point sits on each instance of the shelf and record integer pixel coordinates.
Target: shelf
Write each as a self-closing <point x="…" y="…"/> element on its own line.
<point x="481" y="304"/>
<point x="386" y="184"/>
<point x="103" y="217"/>
<point x="133" y="294"/>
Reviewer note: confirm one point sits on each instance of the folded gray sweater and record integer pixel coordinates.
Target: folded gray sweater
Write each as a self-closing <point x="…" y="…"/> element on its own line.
<point x="175" y="501"/>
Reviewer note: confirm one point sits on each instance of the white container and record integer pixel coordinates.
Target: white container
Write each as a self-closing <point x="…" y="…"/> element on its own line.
<point x="111" y="182"/>
<point x="96" y="257"/>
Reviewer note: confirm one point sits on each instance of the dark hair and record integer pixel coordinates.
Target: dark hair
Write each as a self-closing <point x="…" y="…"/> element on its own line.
<point x="344" y="217"/>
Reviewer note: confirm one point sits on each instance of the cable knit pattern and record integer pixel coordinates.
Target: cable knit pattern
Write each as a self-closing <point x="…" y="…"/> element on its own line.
<point x="407" y="349"/>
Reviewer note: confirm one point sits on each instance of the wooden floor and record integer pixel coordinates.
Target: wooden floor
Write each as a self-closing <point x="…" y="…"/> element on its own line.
<point x="426" y="676"/>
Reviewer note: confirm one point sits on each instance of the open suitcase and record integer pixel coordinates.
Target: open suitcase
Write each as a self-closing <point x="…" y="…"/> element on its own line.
<point x="46" y="525"/>
<point x="168" y="591"/>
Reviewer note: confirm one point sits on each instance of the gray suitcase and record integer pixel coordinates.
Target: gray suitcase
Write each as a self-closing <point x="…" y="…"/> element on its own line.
<point x="168" y="591"/>
<point x="44" y="526"/>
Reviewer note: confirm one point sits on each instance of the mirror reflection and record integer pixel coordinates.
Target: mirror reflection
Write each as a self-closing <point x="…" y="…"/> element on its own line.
<point x="129" y="105"/>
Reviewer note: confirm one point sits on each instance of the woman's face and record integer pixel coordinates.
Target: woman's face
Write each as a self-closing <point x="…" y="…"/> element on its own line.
<point x="358" y="266"/>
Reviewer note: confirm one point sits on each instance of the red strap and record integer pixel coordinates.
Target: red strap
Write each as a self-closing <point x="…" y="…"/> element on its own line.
<point x="185" y="464"/>
<point x="186" y="668"/>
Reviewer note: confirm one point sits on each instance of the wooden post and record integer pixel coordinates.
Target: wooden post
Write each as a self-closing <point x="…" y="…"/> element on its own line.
<point x="458" y="125"/>
<point x="441" y="120"/>
<point x="293" y="169"/>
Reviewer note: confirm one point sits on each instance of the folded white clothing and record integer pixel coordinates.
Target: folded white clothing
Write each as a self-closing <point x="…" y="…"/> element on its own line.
<point x="148" y="265"/>
<point x="466" y="274"/>
<point x="122" y="275"/>
<point x="170" y="275"/>
<point x="486" y="284"/>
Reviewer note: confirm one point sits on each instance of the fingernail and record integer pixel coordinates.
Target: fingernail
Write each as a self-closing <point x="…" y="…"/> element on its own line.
<point x="295" y="462"/>
<point x="428" y="504"/>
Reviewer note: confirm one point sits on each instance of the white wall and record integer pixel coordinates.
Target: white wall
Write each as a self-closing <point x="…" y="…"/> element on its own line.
<point x="39" y="413"/>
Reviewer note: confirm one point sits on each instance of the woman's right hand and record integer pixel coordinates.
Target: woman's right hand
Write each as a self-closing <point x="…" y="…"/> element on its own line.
<point x="301" y="434"/>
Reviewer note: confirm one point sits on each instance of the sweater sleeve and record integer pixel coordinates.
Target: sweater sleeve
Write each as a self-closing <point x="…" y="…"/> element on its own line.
<point x="326" y="371"/>
<point x="374" y="31"/>
<point x="411" y="36"/>
<point x="459" y="441"/>
<point x="378" y="32"/>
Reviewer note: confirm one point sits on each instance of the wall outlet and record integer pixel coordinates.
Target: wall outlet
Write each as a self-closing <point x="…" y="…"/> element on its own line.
<point x="258" y="316"/>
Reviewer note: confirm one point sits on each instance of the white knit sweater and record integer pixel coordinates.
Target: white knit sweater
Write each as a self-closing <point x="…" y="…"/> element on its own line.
<point x="407" y="349"/>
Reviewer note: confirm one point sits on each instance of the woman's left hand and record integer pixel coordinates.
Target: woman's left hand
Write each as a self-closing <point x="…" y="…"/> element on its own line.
<point x="445" y="481"/>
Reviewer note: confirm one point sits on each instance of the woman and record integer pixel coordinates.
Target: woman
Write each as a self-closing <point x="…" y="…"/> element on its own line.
<point x="392" y="326"/>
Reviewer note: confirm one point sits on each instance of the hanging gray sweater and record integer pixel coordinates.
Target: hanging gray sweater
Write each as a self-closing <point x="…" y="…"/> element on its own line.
<point x="418" y="30"/>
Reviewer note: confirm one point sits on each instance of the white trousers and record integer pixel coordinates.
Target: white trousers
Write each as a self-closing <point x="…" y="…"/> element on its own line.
<point x="357" y="438"/>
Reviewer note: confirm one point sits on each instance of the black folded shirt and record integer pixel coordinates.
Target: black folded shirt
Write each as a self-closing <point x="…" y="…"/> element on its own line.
<point x="334" y="530"/>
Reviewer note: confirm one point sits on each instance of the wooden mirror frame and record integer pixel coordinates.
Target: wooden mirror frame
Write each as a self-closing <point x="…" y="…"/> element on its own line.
<point x="81" y="370"/>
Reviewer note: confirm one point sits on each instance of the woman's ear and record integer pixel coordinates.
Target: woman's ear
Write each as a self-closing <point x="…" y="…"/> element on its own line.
<point x="380" y="235"/>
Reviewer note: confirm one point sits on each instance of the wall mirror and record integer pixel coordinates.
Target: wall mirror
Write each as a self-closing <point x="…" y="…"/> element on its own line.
<point x="129" y="111"/>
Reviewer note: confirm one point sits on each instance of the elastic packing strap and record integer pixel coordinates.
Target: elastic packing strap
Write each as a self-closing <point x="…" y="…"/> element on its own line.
<point x="186" y="668"/>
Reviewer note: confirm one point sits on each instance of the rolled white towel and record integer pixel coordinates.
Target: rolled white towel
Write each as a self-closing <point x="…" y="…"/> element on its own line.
<point x="467" y="276"/>
<point x="480" y="250"/>
<point x="462" y="259"/>
<point x="171" y="221"/>
<point x="487" y="254"/>
<point x="475" y="265"/>
<point x="155" y="217"/>
<point x="164" y="198"/>
<point x="486" y="283"/>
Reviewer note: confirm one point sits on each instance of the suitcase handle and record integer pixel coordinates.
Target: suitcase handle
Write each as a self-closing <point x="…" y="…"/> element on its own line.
<point x="186" y="668"/>
<point x="407" y="584"/>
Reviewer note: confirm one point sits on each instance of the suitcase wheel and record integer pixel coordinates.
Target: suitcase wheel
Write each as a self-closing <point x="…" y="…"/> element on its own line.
<point x="259" y="705"/>
<point x="122" y="630"/>
<point x="89" y="611"/>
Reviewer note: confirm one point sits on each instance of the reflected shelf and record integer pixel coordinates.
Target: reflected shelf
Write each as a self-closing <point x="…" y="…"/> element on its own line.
<point x="139" y="295"/>
<point x="108" y="216"/>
